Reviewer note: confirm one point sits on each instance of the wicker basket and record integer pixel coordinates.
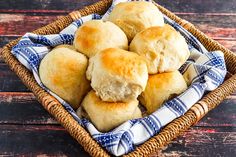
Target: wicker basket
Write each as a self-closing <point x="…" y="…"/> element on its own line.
<point x="171" y="131"/>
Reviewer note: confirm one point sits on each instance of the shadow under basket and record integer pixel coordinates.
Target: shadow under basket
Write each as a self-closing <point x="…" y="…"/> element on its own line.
<point x="170" y="131"/>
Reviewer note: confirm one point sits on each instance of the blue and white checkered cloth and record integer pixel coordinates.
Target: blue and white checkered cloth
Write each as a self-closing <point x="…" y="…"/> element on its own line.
<point x="205" y="71"/>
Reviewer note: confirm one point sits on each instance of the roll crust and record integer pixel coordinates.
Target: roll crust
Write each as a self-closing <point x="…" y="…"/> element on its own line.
<point x="108" y="115"/>
<point x="160" y="88"/>
<point x="95" y="35"/>
<point x="163" y="48"/>
<point x="63" y="71"/>
<point x="133" y="17"/>
<point x="117" y="75"/>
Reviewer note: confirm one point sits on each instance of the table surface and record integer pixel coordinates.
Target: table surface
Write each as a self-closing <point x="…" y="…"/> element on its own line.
<point x="27" y="129"/>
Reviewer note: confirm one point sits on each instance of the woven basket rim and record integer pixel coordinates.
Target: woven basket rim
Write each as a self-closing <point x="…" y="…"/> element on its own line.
<point x="170" y="131"/>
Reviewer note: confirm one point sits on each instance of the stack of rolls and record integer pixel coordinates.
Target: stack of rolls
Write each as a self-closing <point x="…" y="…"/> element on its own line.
<point x="112" y="64"/>
<point x="164" y="50"/>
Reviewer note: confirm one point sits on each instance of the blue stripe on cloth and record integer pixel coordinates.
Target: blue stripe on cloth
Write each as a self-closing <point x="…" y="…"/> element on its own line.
<point x="193" y="86"/>
<point x="171" y="109"/>
<point x="207" y="71"/>
<point x="200" y="70"/>
<point x="182" y="104"/>
<point x="107" y="139"/>
<point x="35" y="58"/>
<point x="199" y="87"/>
<point x="25" y="58"/>
<point x="145" y="125"/>
<point x="215" y="79"/>
<point x="175" y="106"/>
<point x="157" y="120"/>
<point x="123" y="144"/>
<point x="96" y="16"/>
<point x="43" y="40"/>
<point x="67" y="38"/>
<point x="151" y="124"/>
<point x="79" y="22"/>
<point x="127" y="139"/>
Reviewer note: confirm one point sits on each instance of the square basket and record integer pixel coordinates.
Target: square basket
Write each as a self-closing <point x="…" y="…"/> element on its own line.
<point x="170" y="131"/>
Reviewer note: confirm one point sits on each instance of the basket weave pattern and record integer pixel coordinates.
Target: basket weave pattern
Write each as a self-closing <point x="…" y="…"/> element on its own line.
<point x="170" y="131"/>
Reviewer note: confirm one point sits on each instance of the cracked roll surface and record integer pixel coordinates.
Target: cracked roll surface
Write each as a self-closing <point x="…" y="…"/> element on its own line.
<point x="117" y="75"/>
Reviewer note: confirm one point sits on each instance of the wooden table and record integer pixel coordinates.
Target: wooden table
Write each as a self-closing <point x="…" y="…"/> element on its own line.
<point x="27" y="129"/>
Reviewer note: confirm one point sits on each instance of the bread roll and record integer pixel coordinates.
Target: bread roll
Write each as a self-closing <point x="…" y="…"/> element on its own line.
<point x="161" y="87"/>
<point x="95" y="35"/>
<point x="63" y="71"/>
<point x="164" y="48"/>
<point x="108" y="115"/>
<point x="117" y="75"/>
<point x="133" y="17"/>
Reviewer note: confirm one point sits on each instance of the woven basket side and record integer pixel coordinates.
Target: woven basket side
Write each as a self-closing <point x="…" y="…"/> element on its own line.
<point x="99" y="7"/>
<point x="214" y="98"/>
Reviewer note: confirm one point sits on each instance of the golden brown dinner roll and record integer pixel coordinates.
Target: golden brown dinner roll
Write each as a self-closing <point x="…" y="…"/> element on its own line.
<point x="117" y="75"/>
<point x="161" y="87"/>
<point x="108" y="115"/>
<point x="95" y="35"/>
<point x="133" y="17"/>
<point x="63" y="71"/>
<point x="164" y="48"/>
